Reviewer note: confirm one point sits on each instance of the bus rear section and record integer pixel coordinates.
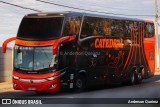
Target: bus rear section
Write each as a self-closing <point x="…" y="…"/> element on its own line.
<point x="123" y="50"/>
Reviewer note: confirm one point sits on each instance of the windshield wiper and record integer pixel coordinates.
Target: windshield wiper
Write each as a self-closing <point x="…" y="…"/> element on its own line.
<point x="23" y="68"/>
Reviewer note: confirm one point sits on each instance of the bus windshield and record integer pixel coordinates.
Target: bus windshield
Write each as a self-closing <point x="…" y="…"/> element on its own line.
<point x="40" y="28"/>
<point x="34" y="58"/>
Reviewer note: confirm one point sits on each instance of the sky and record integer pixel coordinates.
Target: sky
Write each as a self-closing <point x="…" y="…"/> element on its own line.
<point x="11" y="16"/>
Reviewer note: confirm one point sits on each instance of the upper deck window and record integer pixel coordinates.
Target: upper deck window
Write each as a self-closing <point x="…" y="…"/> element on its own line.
<point x="93" y="26"/>
<point x="72" y="25"/>
<point x="40" y="28"/>
<point x="149" y="28"/>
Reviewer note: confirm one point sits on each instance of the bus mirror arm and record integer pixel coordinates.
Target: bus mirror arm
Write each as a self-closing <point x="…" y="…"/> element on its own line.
<point x="59" y="41"/>
<point x="4" y="46"/>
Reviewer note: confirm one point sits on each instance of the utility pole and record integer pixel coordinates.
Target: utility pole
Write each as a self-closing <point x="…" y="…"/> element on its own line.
<point x="156" y="34"/>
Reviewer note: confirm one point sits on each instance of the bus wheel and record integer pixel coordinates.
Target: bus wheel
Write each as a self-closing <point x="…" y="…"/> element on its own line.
<point x="139" y="77"/>
<point x="40" y="92"/>
<point x="132" y="78"/>
<point x="80" y="83"/>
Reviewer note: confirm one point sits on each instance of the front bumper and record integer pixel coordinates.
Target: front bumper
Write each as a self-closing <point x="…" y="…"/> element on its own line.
<point x="35" y="82"/>
<point x="53" y="85"/>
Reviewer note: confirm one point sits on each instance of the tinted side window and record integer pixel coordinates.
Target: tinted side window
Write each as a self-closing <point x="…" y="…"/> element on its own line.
<point x="106" y="27"/>
<point x="92" y="26"/>
<point x="113" y="27"/>
<point x="119" y="28"/>
<point x="128" y="27"/>
<point x="72" y="25"/>
<point x="149" y="30"/>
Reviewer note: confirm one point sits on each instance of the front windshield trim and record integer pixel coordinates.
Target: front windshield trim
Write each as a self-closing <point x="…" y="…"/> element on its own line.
<point x="43" y="55"/>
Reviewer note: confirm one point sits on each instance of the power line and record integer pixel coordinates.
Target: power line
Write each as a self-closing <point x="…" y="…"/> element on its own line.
<point x="20" y="6"/>
<point x="72" y="8"/>
<point x="77" y="8"/>
<point x="95" y="5"/>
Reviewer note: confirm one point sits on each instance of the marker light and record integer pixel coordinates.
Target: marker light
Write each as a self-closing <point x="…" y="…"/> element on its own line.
<point x="52" y="78"/>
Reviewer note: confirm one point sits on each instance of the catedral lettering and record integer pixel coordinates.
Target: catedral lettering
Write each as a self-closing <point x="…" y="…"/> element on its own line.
<point x="108" y="43"/>
<point x="54" y="51"/>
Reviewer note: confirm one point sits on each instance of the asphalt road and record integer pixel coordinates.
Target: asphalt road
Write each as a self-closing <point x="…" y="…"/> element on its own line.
<point x="149" y="88"/>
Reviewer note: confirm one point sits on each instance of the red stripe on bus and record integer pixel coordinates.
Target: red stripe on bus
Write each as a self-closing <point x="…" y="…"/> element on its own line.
<point x="41" y="43"/>
<point x="149" y="21"/>
<point x="34" y="43"/>
<point x="132" y="49"/>
<point x="135" y="39"/>
<point x="140" y="32"/>
<point x="129" y="54"/>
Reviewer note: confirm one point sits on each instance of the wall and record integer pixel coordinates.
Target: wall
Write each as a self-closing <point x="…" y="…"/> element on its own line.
<point x="6" y="65"/>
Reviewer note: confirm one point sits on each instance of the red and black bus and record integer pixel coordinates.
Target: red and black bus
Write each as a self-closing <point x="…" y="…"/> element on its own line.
<point x="78" y="50"/>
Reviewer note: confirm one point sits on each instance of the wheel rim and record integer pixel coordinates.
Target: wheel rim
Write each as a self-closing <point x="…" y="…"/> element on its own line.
<point x="139" y="76"/>
<point x="79" y="83"/>
<point x="142" y="73"/>
<point x="133" y="78"/>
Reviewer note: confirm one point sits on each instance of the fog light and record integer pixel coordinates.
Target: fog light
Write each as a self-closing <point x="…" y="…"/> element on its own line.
<point x="14" y="84"/>
<point x="52" y="86"/>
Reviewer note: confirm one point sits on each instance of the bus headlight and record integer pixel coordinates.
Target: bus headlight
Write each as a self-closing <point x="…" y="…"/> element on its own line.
<point x="15" y="77"/>
<point x="52" y="78"/>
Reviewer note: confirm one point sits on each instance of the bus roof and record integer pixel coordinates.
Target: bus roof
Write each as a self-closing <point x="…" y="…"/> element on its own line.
<point x="72" y="13"/>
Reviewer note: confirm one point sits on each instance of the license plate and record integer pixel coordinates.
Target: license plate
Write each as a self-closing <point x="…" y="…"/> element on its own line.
<point x="31" y="88"/>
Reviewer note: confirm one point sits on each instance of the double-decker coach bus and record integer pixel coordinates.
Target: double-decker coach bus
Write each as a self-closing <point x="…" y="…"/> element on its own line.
<point x="79" y="50"/>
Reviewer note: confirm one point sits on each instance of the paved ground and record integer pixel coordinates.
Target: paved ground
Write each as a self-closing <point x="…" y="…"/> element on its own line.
<point x="6" y="86"/>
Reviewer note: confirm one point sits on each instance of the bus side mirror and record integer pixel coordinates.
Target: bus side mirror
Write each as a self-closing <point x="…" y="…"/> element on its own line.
<point x="4" y="46"/>
<point x="60" y="41"/>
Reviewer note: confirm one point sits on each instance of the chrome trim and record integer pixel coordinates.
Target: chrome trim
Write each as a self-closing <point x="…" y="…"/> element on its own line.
<point x="89" y="37"/>
<point x="57" y="76"/>
<point x="63" y="25"/>
<point x="63" y="69"/>
<point x="35" y="81"/>
<point x="71" y="76"/>
<point x="32" y="81"/>
<point x="80" y="27"/>
<point x="71" y="85"/>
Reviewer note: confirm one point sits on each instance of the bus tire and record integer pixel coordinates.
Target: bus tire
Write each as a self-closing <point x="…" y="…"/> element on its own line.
<point x="40" y="92"/>
<point x="80" y="83"/>
<point x="139" y="77"/>
<point x="132" y="78"/>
